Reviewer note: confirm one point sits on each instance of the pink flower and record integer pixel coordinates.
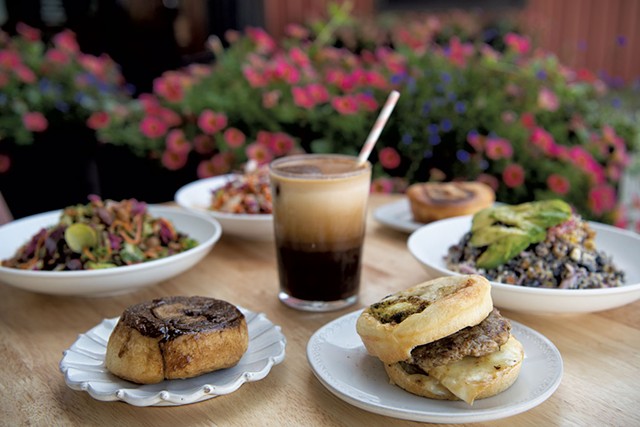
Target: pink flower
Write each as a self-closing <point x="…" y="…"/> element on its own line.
<point x="345" y="105"/>
<point x="66" y="40"/>
<point x="177" y="142"/>
<point x="513" y="175"/>
<point x="382" y="185"/>
<point x="459" y="52"/>
<point x="28" y="32"/>
<point x="263" y="41"/>
<point x="203" y="144"/>
<point x="318" y="93"/>
<point x="558" y="184"/>
<point x="543" y="140"/>
<point x="254" y="77"/>
<point x="377" y="80"/>
<point x="169" y="87"/>
<point x="302" y="98"/>
<point x="389" y="158"/>
<point x="173" y="160"/>
<point x="281" y="143"/>
<point x="211" y="122"/>
<point x="259" y="153"/>
<point x="35" y="122"/>
<point x="264" y="138"/>
<point x="25" y="74"/>
<point x="234" y="137"/>
<point x="299" y="57"/>
<point x="57" y="56"/>
<point x="548" y="100"/>
<point x="98" y="120"/>
<point x="498" y="148"/>
<point x="601" y="199"/>
<point x="170" y="117"/>
<point x="476" y="141"/>
<point x="518" y="43"/>
<point x="9" y="59"/>
<point x="153" y="127"/>
<point x="5" y="163"/>
<point x="296" y="31"/>
<point x="367" y="101"/>
<point x="286" y="72"/>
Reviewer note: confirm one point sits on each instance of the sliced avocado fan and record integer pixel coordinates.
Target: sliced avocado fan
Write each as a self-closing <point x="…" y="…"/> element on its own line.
<point x="507" y="230"/>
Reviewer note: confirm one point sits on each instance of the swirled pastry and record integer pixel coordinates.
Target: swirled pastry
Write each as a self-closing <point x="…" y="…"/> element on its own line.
<point x="432" y="201"/>
<point x="176" y="337"/>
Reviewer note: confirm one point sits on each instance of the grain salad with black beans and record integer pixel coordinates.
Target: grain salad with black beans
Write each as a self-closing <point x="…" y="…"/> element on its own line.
<point x="566" y="259"/>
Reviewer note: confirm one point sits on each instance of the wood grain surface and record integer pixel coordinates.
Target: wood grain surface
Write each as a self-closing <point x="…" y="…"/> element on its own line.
<point x="601" y="351"/>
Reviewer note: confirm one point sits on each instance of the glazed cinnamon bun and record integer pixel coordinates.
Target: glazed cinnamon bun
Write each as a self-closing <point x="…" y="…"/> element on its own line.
<point x="176" y="337"/>
<point x="432" y="201"/>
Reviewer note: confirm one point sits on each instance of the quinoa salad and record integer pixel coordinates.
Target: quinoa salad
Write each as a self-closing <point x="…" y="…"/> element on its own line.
<point x="567" y="258"/>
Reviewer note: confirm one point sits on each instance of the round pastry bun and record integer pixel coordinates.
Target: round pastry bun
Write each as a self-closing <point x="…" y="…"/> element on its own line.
<point x="431" y="201"/>
<point x="424" y="313"/>
<point x="176" y="337"/>
<point x="470" y="379"/>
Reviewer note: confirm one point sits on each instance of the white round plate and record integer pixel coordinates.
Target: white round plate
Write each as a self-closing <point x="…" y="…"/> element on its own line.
<point x="430" y="244"/>
<point x="196" y="196"/>
<point x="341" y="363"/>
<point x="108" y="281"/>
<point x="397" y="215"/>
<point x="84" y="368"/>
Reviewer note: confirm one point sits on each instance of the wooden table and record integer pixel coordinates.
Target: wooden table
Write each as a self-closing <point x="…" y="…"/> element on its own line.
<point x="601" y="351"/>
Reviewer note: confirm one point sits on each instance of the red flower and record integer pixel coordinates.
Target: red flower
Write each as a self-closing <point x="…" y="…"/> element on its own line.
<point x="35" y="122"/>
<point x="518" y="43"/>
<point x="203" y="144"/>
<point x="389" y="158"/>
<point x="173" y="160"/>
<point x="602" y="198"/>
<point x="234" y="137"/>
<point x="281" y="143"/>
<point x="169" y="87"/>
<point x="259" y="153"/>
<point x="153" y="127"/>
<point x="558" y="184"/>
<point x="345" y="105"/>
<point x="499" y="148"/>
<point x="302" y="98"/>
<point x="211" y="122"/>
<point x="66" y="40"/>
<point x="28" y="32"/>
<point x="98" y="120"/>
<point x="513" y="175"/>
<point x="5" y="163"/>
<point x="177" y="142"/>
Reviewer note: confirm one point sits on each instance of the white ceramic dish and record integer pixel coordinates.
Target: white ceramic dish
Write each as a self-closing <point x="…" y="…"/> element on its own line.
<point x="397" y="215"/>
<point x="430" y="243"/>
<point x="83" y="368"/>
<point x="196" y="196"/>
<point x="110" y="281"/>
<point x="341" y="363"/>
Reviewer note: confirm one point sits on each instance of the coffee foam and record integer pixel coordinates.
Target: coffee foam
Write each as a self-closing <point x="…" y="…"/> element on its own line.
<point x="324" y="211"/>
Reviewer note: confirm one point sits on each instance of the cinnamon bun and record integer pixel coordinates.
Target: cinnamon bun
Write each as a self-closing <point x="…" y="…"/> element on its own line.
<point x="176" y="337"/>
<point x="432" y="201"/>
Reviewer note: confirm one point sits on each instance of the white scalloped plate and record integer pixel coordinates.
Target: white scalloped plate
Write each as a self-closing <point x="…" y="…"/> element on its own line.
<point x="84" y="369"/>
<point x="341" y="363"/>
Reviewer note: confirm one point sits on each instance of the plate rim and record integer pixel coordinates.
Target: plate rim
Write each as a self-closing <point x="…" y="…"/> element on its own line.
<point x="380" y="214"/>
<point x="167" y="397"/>
<point x="486" y="415"/>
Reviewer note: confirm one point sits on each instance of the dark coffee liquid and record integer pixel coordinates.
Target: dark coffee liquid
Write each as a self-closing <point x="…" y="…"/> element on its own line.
<point x="319" y="276"/>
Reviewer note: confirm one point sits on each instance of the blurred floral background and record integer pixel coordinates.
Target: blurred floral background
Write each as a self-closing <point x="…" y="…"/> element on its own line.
<point x="479" y="101"/>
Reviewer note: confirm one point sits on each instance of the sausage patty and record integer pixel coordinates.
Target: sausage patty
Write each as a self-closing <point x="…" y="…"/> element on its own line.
<point x="484" y="338"/>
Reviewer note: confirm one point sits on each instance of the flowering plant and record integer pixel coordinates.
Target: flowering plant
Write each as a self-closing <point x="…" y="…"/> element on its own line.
<point x="515" y="118"/>
<point x="47" y="84"/>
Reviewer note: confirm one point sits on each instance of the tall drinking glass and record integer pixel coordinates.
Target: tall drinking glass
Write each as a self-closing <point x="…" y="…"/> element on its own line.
<point x="319" y="213"/>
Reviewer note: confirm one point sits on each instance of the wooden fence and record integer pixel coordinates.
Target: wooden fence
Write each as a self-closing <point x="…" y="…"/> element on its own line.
<point x="602" y="36"/>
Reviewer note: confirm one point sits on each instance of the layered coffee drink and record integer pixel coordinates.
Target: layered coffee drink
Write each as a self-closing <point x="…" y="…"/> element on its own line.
<point x="319" y="209"/>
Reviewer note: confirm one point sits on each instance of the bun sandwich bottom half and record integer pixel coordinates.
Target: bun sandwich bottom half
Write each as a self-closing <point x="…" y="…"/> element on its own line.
<point x="443" y="339"/>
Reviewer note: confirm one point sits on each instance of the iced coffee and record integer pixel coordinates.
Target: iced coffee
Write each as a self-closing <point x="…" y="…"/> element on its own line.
<point x="319" y="212"/>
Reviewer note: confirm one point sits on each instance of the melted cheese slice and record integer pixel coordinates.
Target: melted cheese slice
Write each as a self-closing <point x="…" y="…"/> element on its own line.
<point x="469" y="377"/>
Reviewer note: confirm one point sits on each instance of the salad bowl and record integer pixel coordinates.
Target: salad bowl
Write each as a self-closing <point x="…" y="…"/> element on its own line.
<point x="109" y="281"/>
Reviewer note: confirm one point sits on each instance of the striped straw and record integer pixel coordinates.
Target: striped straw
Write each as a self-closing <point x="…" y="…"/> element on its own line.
<point x="381" y="121"/>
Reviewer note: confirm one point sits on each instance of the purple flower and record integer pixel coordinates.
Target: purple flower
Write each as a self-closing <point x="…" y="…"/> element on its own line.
<point x="434" y="139"/>
<point x="460" y="107"/>
<point x="463" y="156"/>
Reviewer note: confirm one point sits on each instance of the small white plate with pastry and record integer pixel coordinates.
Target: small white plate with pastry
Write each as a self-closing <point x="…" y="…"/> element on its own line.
<point x="84" y="367"/>
<point x="341" y="363"/>
<point x="431" y="201"/>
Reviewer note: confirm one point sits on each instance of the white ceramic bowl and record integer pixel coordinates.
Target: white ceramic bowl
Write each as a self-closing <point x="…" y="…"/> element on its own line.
<point x="429" y="245"/>
<point x="196" y="197"/>
<point x="110" y="281"/>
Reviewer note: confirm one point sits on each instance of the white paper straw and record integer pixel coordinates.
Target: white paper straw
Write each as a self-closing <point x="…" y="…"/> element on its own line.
<point x="381" y="121"/>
